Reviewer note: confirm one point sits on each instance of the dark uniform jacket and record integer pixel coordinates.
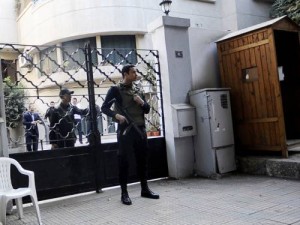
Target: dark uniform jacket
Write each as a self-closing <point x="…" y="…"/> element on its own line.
<point x="49" y="112"/>
<point x="123" y="95"/>
<point x="62" y="123"/>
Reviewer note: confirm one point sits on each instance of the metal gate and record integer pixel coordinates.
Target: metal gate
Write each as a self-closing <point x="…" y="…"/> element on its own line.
<point x="34" y="75"/>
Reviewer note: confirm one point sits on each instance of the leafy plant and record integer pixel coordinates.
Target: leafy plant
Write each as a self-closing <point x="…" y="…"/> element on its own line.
<point x="291" y="8"/>
<point x="14" y="103"/>
<point x="151" y="76"/>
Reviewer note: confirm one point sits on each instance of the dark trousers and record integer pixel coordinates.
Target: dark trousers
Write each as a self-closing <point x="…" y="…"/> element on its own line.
<point x="66" y="143"/>
<point x="79" y="129"/>
<point x="32" y="142"/>
<point x="63" y="137"/>
<point x="131" y="143"/>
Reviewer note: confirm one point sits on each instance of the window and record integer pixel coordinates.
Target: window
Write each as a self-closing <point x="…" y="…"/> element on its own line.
<point x="249" y="74"/>
<point x="73" y="53"/>
<point x="119" y="49"/>
<point x="48" y="60"/>
<point x="8" y="68"/>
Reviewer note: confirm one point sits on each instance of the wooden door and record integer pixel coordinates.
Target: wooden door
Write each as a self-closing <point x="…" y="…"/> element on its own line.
<point x="248" y="66"/>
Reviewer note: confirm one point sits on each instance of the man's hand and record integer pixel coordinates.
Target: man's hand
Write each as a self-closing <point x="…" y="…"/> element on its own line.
<point x="138" y="100"/>
<point x="121" y="118"/>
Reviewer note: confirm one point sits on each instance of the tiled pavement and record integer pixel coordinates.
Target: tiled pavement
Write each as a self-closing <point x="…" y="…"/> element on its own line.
<point x="234" y="199"/>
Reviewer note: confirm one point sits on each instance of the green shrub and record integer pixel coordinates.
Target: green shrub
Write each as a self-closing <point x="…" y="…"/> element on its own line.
<point x="291" y="8"/>
<point x="14" y="103"/>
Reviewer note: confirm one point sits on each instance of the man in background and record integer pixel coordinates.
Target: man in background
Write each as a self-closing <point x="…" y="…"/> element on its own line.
<point x="31" y="119"/>
<point x="62" y="121"/>
<point x="49" y="111"/>
<point x="77" y="118"/>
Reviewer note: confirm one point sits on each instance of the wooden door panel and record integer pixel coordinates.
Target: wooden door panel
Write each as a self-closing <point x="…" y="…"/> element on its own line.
<point x="256" y="101"/>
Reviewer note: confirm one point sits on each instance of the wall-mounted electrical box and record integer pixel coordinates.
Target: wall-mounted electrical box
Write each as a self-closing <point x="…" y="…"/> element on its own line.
<point x="184" y="121"/>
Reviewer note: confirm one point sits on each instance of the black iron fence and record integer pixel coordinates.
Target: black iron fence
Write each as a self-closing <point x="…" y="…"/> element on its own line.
<point x="34" y="75"/>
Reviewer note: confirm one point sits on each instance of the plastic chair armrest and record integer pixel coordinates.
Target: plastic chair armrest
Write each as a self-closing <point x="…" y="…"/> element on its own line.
<point x="30" y="175"/>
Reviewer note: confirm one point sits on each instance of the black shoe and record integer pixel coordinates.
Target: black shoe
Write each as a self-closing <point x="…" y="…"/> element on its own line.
<point x="147" y="193"/>
<point x="125" y="199"/>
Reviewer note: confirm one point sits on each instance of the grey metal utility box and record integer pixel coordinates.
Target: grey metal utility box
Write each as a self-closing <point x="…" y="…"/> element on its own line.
<point x="184" y="122"/>
<point x="214" y="143"/>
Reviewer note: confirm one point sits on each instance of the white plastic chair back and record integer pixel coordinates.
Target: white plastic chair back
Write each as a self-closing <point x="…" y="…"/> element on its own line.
<point x="5" y="179"/>
<point x="7" y="192"/>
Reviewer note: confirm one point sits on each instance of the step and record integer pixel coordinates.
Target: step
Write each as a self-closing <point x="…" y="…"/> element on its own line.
<point x="293" y="144"/>
<point x="271" y="166"/>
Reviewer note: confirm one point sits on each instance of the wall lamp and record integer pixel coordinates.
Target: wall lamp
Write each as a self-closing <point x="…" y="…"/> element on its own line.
<point x="165" y="6"/>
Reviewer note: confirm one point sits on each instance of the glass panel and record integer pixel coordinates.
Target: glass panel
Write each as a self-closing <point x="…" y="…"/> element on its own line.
<point x="118" y="49"/>
<point x="73" y="55"/>
<point x="48" y="61"/>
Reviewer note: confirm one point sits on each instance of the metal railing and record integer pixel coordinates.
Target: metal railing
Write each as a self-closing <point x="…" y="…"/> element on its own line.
<point x="34" y="75"/>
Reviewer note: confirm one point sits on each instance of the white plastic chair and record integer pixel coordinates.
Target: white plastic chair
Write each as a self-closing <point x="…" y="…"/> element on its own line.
<point x="7" y="192"/>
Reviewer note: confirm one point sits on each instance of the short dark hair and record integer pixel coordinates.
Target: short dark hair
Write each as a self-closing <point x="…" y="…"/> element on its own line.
<point x="126" y="69"/>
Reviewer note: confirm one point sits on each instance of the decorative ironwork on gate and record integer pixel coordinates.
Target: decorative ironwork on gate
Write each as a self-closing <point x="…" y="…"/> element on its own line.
<point x="34" y="75"/>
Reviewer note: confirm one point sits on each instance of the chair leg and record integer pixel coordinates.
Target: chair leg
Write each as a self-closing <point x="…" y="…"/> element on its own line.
<point x="9" y="207"/>
<point x="37" y="208"/>
<point x="3" y="204"/>
<point x="19" y="204"/>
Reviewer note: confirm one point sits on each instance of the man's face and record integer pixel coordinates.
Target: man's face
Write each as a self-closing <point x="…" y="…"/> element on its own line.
<point x="131" y="75"/>
<point x="31" y="108"/>
<point x="66" y="98"/>
<point x="74" y="101"/>
<point x="51" y="104"/>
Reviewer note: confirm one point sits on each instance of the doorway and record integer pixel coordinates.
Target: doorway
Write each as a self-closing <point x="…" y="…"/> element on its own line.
<point x="288" y="58"/>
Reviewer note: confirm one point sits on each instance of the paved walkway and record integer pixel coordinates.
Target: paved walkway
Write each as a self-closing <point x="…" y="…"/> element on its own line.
<point x="234" y="199"/>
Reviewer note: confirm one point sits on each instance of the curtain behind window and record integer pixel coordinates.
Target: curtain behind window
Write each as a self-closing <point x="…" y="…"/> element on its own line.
<point x="119" y="49"/>
<point x="73" y="53"/>
<point x="47" y="58"/>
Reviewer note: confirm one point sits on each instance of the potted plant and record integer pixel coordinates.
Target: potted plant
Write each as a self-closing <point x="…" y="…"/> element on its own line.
<point x="156" y="132"/>
<point x="150" y="88"/>
<point x="153" y="131"/>
<point x="149" y="133"/>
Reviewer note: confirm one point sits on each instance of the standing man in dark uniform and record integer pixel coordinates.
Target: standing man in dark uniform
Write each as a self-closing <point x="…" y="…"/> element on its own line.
<point x="62" y="122"/>
<point x="30" y="120"/>
<point x="49" y="111"/>
<point x="129" y="139"/>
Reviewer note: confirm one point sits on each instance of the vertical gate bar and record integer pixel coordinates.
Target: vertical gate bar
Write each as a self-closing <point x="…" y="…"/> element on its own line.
<point x="161" y="95"/>
<point x="94" y="137"/>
